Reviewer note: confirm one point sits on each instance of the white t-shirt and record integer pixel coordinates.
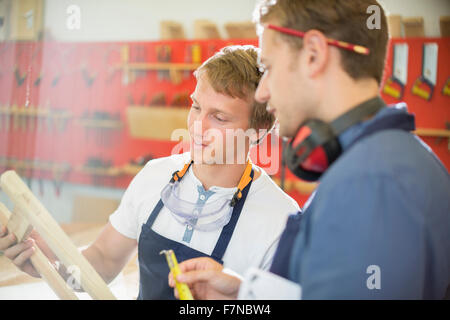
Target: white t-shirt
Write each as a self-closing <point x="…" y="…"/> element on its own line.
<point x="258" y="230"/>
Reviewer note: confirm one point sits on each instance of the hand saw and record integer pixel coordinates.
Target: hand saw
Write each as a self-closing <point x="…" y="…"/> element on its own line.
<point x="399" y="72"/>
<point x="429" y="72"/>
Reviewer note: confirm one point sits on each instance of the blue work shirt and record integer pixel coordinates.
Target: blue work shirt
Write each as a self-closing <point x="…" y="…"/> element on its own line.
<point x="378" y="226"/>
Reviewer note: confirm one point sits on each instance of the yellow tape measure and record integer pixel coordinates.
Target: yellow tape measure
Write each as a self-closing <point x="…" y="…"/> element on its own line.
<point x="183" y="289"/>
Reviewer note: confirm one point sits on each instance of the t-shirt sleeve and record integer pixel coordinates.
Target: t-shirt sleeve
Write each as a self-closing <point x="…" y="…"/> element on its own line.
<point x="125" y="218"/>
<point x="361" y="246"/>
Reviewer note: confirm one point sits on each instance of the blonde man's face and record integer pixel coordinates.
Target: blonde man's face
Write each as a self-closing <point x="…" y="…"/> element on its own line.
<point x="217" y="124"/>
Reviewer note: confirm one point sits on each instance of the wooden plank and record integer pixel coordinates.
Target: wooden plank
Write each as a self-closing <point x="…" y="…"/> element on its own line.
<point x="38" y="259"/>
<point x="54" y="236"/>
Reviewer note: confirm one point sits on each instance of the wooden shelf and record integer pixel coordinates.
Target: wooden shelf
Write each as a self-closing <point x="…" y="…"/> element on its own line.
<point x="160" y="66"/>
<point x="298" y="185"/>
<point x="131" y="169"/>
<point x="109" y="172"/>
<point x="19" y="165"/>
<point x="102" y="124"/>
<point x="432" y="132"/>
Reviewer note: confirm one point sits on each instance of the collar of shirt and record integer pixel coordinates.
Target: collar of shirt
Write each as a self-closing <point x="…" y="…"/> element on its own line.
<point x="347" y="137"/>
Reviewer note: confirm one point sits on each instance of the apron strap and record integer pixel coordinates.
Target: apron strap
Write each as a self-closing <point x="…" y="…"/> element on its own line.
<point x="154" y="213"/>
<point x="227" y="231"/>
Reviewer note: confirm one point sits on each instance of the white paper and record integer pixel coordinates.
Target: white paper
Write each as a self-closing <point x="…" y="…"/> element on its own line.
<point x="264" y="285"/>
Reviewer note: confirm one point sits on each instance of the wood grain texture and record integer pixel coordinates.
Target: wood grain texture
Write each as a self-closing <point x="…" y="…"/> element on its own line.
<point x="38" y="259"/>
<point x="54" y="236"/>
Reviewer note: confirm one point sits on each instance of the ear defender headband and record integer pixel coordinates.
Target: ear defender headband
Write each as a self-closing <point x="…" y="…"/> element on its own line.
<point x="316" y="146"/>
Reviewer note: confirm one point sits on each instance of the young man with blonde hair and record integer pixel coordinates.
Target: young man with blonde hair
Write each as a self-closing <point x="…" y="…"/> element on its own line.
<point x="200" y="203"/>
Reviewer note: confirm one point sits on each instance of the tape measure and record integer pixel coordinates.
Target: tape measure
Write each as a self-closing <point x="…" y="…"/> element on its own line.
<point x="183" y="289"/>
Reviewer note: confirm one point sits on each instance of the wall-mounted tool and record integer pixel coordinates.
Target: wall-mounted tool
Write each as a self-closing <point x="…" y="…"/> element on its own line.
<point x="399" y="72"/>
<point x="159" y="99"/>
<point x="142" y="160"/>
<point x="14" y="111"/>
<point x="112" y="57"/>
<point x="88" y="77"/>
<point x="38" y="80"/>
<point x="193" y="54"/>
<point x="424" y="85"/>
<point x="446" y="88"/>
<point x="4" y="118"/>
<point x="20" y="77"/>
<point x="140" y="56"/>
<point x="163" y="55"/>
<point x="181" y="99"/>
<point x="100" y="170"/>
<point x="103" y="123"/>
<point x="61" y="118"/>
<point x="59" y="174"/>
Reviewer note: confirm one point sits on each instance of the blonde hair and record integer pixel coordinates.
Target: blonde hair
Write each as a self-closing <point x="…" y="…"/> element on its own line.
<point x="234" y="71"/>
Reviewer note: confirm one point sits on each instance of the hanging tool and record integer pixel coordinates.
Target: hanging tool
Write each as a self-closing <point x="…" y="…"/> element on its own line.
<point x="8" y="112"/>
<point x="110" y="68"/>
<point x="59" y="173"/>
<point x="3" y="114"/>
<point x="60" y="60"/>
<point x="38" y="80"/>
<point x="446" y="88"/>
<point x="399" y="72"/>
<point x="181" y="99"/>
<point x="429" y="72"/>
<point x="159" y="99"/>
<point x="140" y="57"/>
<point x="88" y="78"/>
<point x="187" y="59"/>
<point x="23" y="118"/>
<point x="15" y="116"/>
<point x="20" y="78"/>
<point x="164" y="55"/>
<point x="61" y="118"/>
<point x="125" y="57"/>
<point x="182" y="288"/>
<point x="192" y="55"/>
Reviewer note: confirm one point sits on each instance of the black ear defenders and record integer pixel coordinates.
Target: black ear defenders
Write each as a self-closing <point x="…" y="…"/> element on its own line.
<point x="316" y="146"/>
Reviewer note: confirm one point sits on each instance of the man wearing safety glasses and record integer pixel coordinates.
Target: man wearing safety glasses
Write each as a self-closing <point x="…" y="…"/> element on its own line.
<point x="209" y="202"/>
<point x="377" y="226"/>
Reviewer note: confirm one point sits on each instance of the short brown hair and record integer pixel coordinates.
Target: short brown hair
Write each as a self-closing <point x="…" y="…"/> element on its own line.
<point x="344" y="20"/>
<point x="234" y="71"/>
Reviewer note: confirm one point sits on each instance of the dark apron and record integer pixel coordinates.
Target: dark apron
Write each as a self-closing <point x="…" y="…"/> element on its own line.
<point x="153" y="268"/>
<point x="281" y="260"/>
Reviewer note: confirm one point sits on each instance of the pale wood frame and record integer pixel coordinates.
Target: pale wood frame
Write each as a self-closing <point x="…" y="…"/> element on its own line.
<point x="29" y="212"/>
